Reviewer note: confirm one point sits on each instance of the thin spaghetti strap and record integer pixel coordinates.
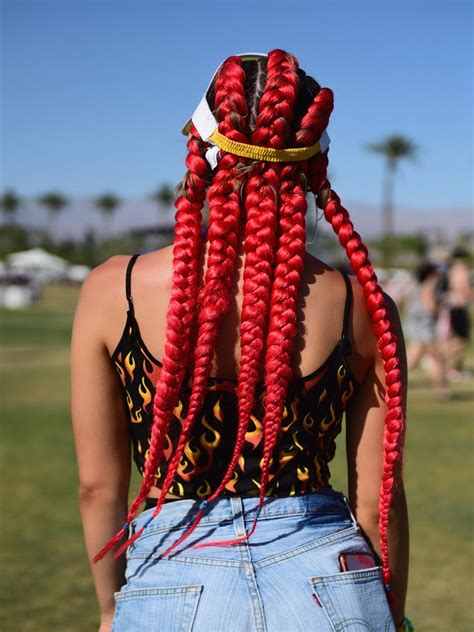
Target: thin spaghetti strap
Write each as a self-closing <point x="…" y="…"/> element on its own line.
<point x="347" y="310"/>
<point x="128" y="283"/>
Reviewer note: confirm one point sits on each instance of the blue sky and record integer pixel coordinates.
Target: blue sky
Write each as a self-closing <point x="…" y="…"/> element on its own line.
<point x="95" y="93"/>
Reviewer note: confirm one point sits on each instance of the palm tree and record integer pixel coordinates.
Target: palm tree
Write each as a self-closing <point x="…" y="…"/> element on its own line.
<point x="9" y="204"/>
<point x="394" y="148"/>
<point x="54" y="203"/>
<point x="164" y="197"/>
<point x="107" y="203"/>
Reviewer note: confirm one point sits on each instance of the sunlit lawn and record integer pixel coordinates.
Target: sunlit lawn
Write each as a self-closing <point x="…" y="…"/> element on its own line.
<point x="46" y="580"/>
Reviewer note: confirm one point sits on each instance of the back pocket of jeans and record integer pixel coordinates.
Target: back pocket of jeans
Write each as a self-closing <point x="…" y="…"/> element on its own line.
<point x="354" y="601"/>
<point x="156" y="609"/>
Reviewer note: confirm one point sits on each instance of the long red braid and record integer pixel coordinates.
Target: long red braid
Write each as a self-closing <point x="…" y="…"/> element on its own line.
<point x="311" y="126"/>
<point x="272" y="130"/>
<point x="180" y="318"/>
<point x="224" y="215"/>
<point x="275" y="205"/>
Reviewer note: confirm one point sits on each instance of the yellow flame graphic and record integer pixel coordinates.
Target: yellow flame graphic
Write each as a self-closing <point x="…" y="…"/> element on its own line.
<point x="294" y="436"/>
<point x="130" y="364"/>
<point x="178" y="411"/>
<point x="294" y="416"/>
<point x="217" y="410"/>
<point x="308" y="422"/>
<point x="145" y="393"/>
<point x="217" y="438"/>
<point x="192" y="453"/>
<point x="256" y="483"/>
<point x="302" y="473"/>
<point x="232" y="483"/>
<point x="121" y="372"/>
<point x="129" y="401"/>
<point x="323" y="396"/>
<point x="137" y="417"/>
<point x="255" y="436"/>
<point x="173" y="486"/>
<point x="341" y="374"/>
<point x="204" y="490"/>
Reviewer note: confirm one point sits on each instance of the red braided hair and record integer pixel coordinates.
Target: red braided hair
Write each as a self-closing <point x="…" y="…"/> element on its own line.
<point x="311" y="126"/>
<point x="224" y="214"/>
<point x="275" y="207"/>
<point x="180" y="318"/>
<point x="272" y="130"/>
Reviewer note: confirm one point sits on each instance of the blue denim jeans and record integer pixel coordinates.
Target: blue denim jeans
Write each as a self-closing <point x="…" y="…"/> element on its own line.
<point x="286" y="578"/>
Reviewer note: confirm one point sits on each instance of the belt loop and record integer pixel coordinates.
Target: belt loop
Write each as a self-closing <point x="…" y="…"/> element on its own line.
<point x="353" y="518"/>
<point x="238" y="516"/>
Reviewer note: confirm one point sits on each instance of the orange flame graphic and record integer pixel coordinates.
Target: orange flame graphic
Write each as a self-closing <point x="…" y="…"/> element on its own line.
<point x="254" y="437"/>
<point x="145" y="393"/>
<point x="121" y="372"/>
<point x="130" y="364"/>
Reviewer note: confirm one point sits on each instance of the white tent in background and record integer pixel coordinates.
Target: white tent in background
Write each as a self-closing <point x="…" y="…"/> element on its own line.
<point x="38" y="263"/>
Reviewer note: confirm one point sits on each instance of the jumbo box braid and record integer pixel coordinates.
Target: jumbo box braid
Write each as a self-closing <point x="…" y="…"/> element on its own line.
<point x="180" y="318"/>
<point x="224" y="214"/>
<point x="224" y="204"/>
<point x="272" y="129"/>
<point x="311" y="127"/>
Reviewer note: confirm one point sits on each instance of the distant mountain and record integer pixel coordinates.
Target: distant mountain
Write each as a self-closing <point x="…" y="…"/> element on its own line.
<point x="80" y="216"/>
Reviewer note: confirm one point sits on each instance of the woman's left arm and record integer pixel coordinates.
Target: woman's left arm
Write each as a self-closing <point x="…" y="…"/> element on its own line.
<point x="101" y="436"/>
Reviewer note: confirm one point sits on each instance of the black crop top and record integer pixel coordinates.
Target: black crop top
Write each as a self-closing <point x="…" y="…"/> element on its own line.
<point x="311" y="421"/>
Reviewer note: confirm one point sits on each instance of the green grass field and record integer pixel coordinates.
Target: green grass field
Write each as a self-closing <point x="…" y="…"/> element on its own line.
<point x="46" y="580"/>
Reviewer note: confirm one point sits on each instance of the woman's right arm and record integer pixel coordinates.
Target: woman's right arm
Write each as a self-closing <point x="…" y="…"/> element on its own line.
<point x="364" y="436"/>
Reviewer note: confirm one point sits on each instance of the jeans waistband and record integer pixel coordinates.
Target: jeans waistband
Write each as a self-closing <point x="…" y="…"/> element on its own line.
<point x="322" y="502"/>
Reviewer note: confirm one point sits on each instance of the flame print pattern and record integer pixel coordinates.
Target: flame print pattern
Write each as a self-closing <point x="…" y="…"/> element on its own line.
<point x="311" y="421"/>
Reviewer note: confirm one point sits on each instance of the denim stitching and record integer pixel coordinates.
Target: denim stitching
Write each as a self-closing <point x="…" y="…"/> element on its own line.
<point x="226" y="521"/>
<point x="351" y="577"/>
<point x="146" y="592"/>
<point x="331" y="608"/>
<point x="343" y="534"/>
<point x="187" y="559"/>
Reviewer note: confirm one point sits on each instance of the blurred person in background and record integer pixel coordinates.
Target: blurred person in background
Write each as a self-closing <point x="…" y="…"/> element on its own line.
<point x="420" y="326"/>
<point x="262" y="349"/>
<point x="459" y="300"/>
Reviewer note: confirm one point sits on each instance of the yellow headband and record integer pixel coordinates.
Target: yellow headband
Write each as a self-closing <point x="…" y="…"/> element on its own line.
<point x="256" y="152"/>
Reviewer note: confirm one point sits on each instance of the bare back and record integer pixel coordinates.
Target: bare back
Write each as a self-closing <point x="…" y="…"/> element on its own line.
<point x="320" y="314"/>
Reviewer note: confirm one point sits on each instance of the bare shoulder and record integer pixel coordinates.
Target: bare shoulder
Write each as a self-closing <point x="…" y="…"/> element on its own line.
<point x="106" y="282"/>
<point x="332" y="291"/>
<point x="103" y="282"/>
<point x="363" y="328"/>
